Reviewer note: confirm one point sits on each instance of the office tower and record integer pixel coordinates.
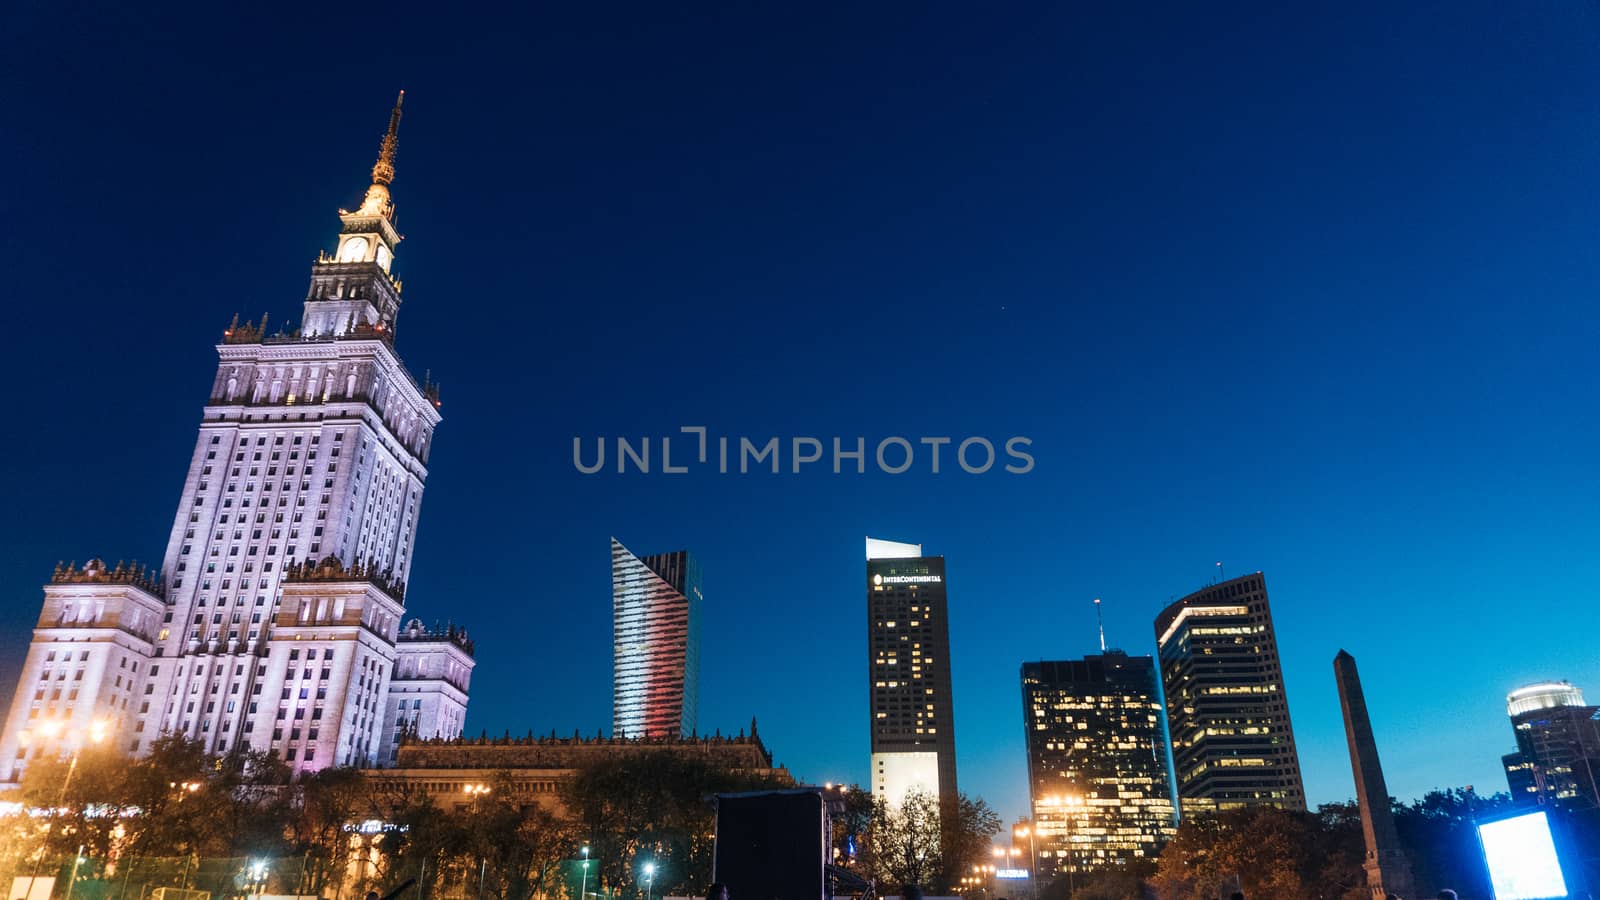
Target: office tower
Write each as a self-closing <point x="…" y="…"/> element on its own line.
<point x="1558" y="745"/>
<point x="1099" y="781"/>
<point x="1227" y="712"/>
<point x="1388" y="870"/>
<point x="908" y="668"/>
<point x="655" y="613"/>
<point x="273" y="621"/>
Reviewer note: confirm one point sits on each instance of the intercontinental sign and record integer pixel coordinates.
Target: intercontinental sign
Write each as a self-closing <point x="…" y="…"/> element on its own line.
<point x="907" y="579"/>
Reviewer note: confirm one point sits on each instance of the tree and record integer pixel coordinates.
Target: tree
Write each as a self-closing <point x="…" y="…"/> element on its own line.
<point x="1440" y="836"/>
<point x="83" y="796"/>
<point x="653" y="807"/>
<point x="967" y="827"/>
<point x="1265" y="852"/>
<point x="330" y="799"/>
<point x="903" y="844"/>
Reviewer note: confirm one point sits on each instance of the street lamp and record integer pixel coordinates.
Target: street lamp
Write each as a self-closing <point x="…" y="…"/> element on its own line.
<point x="583" y="892"/>
<point x="258" y="874"/>
<point x="1028" y="831"/>
<point x="53" y="728"/>
<point x="649" y="878"/>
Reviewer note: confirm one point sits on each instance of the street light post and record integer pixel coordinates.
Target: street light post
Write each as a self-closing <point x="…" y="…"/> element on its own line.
<point x="583" y="892"/>
<point x="649" y="878"/>
<point x="51" y="728"/>
<point x="1027" y="831"/>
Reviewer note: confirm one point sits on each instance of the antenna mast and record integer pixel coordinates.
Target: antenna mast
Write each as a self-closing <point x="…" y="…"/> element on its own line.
<point x="1100" y="619"/>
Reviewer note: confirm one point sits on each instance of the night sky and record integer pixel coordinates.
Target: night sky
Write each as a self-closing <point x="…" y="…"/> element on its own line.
<point x="1304" y="291"/>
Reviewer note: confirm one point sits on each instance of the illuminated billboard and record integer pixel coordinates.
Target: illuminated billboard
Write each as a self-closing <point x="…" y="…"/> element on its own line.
<point x="1521" y="854"/>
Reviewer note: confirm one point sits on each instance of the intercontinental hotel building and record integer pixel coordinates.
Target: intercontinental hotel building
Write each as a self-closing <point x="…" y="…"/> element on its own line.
<point x="277" y="620"/>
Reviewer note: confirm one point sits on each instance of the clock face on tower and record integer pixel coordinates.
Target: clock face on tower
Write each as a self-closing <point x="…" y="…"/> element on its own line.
<point x="384" y="256"/>
<point x="353" y="250"/>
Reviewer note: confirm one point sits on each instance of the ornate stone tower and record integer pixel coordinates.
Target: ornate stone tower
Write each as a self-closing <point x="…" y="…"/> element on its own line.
<point x="1388" y="872"/>
<point x="274" y="623"/>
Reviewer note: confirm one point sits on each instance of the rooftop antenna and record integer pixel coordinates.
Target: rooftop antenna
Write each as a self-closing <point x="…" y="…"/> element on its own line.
<point x="1102" y="622"/>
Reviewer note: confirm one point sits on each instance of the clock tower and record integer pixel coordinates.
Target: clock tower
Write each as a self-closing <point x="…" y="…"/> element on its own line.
<point x="353" y="290"/>
<point x="274" y="621"/>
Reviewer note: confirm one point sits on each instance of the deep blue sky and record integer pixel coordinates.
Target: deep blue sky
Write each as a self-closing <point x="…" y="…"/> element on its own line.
<point x="1305" y="291"/>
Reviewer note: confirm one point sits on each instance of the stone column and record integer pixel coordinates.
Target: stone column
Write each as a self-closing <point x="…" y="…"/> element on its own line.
<point x="1388" y="872"/>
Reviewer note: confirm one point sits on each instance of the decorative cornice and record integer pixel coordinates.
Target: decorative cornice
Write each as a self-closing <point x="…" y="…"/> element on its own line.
<point x="95" y="572"/>
<point x="331" y="570"/>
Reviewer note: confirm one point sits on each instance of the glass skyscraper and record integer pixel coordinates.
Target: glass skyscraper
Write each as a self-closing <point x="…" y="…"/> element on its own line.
<point x="1099" y="780"/>
<point x="655" y="607"/>
<point x="1228" y="715"/>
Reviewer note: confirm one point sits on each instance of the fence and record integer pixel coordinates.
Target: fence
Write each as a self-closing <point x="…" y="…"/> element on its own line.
<point x="281" y="878"/>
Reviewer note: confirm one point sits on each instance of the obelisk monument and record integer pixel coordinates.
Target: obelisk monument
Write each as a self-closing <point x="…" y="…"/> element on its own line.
<point x="1388" y="872"/>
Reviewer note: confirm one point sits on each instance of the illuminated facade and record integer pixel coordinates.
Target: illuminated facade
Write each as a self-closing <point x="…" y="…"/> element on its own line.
<point x="1227" y="712"/>
<point x="428" y="690"/>
<point x="1099" y="781"/>
<point x="655" y="610"/>
<point x="908" y="664"/>
<point x="1558" y="745"/>
<point x="273" y="621"/>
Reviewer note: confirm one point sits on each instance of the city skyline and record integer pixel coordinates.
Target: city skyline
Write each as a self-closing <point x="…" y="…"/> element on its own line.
<point x="1339" y="336"/>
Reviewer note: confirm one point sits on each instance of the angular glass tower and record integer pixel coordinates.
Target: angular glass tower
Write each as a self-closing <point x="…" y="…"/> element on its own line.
<point x="1232" y="744"/>
<point x="655" y="604"/>
<point x="1098" y="778"/>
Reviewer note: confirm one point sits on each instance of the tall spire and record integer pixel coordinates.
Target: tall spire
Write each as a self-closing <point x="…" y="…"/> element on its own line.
<point x="376" y="203"/>
<point x="383" y="169"/>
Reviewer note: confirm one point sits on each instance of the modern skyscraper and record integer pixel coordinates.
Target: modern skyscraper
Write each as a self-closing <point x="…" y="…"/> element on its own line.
<point x="908" y="667"/>
<point x="655" y="613"/>
<point x="1558" y="745"/>
<point x="273" y="622"/>
<point x="1228" y="714"/>
<point x="1099" y="778"/>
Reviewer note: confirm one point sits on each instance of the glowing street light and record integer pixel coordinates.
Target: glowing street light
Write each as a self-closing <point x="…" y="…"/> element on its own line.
<point x="649" y="878"/>
<point x="583" y="892"/>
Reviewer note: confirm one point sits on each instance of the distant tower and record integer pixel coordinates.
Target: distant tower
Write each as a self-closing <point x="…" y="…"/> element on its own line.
<point x="1227" y="710"/>
<point x="655" y="609"/>
<point x="1099" y="784"/>
<point x="908" y="667"/>
<point x="1387" y="869"/>
<point x="1558" y="745"/>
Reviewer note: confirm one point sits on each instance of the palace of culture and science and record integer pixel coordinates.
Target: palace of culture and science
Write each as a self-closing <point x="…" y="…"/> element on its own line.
<point x="277" y="619"/>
